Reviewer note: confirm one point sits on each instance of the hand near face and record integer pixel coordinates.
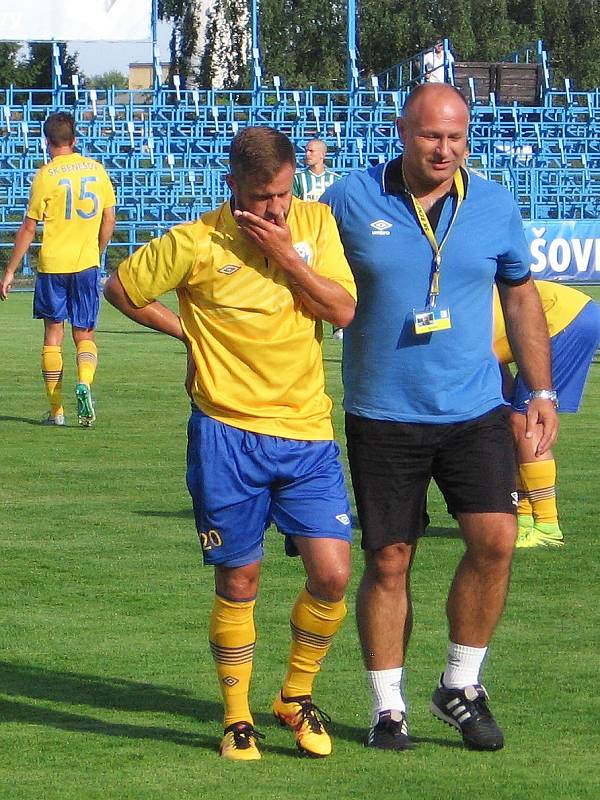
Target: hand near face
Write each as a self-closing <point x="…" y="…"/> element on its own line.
<point x="271" y="236"/>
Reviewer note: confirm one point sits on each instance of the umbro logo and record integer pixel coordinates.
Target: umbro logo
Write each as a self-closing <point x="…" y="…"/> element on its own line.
<point x="343" y="518"/>
<point x="229" y="269"/>
<point x="380" y="228"/>
<point x="515" y="498"/>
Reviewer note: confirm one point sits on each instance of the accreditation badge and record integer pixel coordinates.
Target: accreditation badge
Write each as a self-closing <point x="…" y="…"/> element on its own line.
<point x="431" y="319"/>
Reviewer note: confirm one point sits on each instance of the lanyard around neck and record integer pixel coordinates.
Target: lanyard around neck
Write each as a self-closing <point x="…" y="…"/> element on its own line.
<point x="434" y="288"/>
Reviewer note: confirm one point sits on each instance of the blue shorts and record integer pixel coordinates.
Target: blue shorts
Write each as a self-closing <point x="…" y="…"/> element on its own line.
<point x="240" y="482"/>
<point x="572" y="352"/>
<point x="74" y="296"/>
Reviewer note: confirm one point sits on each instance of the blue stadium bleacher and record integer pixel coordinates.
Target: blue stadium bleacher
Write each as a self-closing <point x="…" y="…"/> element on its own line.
<point x="166" y="150"/>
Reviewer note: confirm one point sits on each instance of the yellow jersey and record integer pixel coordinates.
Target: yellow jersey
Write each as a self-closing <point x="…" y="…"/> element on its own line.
<point x="69" y="195"/>
<point x="257" y="351"/>
<point x="561" y="305"/>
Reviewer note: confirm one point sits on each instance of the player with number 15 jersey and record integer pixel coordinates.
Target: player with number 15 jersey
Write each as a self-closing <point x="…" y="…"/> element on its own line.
<point x="74" y="199"/>
<point x="69" y="194"/>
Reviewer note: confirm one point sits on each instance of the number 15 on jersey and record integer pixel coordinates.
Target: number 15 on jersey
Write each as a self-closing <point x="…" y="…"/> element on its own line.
<point x="86" y="196"/>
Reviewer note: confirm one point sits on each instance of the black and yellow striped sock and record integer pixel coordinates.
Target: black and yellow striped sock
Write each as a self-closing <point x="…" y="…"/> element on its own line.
<point x="539" y="479"/>
<point x="52" y="373"/>
<point x="232" y="638"/>
<point x="314" y="623"/>
<point x="87" y="361"/>
<point x="524" y="505"/>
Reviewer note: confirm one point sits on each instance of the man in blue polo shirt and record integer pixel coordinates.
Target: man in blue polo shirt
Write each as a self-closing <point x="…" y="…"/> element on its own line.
<point x="427" y="241"/>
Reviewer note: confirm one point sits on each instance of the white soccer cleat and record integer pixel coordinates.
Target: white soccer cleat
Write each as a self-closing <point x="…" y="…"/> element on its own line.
<point x="54" y="419"/>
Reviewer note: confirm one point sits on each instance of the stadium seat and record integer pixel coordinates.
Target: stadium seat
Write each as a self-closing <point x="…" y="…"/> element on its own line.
<point x="167" y="149"/>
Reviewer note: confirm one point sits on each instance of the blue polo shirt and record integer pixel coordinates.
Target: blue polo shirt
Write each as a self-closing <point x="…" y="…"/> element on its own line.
<point x="389" y="371"/>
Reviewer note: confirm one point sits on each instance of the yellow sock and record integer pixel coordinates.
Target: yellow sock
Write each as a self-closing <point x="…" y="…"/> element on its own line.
<point x="232" y="638"/>
<point x="52" y="372"/>
<point x="87" y="361"/>
<point x="539" y="479"/>
<point x="314" y="624"/>
<point x="524" y="506"/>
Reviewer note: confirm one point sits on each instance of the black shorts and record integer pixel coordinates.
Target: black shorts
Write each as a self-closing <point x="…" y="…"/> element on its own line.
<point x="392" y="464"/>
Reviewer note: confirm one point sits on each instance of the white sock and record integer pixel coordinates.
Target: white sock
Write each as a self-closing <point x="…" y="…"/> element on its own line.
<point x="386" y="686"/>
<point x="464" y="665"/>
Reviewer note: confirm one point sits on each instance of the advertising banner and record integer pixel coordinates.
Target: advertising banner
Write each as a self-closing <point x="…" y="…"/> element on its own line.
<point x="68" y="20"/>
<point x="567" y="251"/>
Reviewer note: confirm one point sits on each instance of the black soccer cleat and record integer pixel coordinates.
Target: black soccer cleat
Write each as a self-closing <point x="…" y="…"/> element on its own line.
<point x="390" y="732"/>
<point x="467" y="711"/>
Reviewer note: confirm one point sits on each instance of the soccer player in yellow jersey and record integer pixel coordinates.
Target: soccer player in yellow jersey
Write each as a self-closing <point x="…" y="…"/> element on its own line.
<point x="254" y="279"/>
<point x="74" y="199"/>
<point x="574" y="327"/>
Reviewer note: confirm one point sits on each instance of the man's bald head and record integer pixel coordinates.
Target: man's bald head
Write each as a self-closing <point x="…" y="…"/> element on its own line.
<point x="314" y="155"/>
<point x="433" y="129"/>
<point x="432" y="93"/>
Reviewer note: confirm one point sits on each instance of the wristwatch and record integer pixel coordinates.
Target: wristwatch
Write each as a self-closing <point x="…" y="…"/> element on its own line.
<point x="544" y="394"/>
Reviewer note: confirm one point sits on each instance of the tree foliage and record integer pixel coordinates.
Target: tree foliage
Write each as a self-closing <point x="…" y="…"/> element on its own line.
<point x="13" y="67"/>
<point x="225" y="57"/>
<point x="41" y="64"/>
<point x="186" y="16"/>
<point x="107" y="80"/>
<point x="485" y="30"/>
<point x="572" y="35"/>
<point x="33" y="67"/>
<point x="304" y="41"/>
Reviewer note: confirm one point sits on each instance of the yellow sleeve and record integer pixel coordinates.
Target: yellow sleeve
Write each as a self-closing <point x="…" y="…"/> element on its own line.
<point x="330" y="259"/>
<point x="159" y="266"/>
<point x="561" y="304"/>
<point x="37" y="199"/>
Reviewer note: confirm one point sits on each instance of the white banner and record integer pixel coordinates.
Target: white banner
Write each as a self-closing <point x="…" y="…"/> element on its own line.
<point x="80" y="20"/>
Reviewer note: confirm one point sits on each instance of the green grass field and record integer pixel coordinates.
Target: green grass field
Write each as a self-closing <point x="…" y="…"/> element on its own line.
<point x="107" y="689"/>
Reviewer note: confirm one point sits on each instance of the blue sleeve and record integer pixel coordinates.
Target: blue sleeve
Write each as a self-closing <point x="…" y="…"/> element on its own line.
<point x="334" y="197"/>
<point x="514" y="263"/>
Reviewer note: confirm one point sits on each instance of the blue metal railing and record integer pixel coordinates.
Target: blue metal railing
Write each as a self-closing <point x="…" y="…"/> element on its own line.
<point x="167" y="151"/>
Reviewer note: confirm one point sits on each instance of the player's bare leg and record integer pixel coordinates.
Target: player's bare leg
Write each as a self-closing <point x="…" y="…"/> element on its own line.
<point x="474" y="606"/>
<point x="480" y="584"/>
<point x="384" y="618"/>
